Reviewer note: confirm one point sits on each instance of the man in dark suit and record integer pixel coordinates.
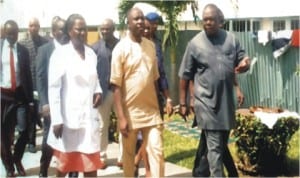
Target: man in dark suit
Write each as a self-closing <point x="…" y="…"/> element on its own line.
<point x="42" y="64"/>
<point x="16" y="98"/>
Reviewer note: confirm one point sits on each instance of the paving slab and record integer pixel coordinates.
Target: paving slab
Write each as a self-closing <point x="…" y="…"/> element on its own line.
<point x="31" y="164"/>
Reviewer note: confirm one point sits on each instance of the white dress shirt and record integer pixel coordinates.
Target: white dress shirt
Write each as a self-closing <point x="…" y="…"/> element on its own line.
<point x="5" y="79"/>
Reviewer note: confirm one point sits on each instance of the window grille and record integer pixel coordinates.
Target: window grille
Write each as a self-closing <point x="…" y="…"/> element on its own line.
<point x="294" y="24"/>
<point x="255" y="26"/>
<point x="278" y="25"/>
<point x="241" y="25"/>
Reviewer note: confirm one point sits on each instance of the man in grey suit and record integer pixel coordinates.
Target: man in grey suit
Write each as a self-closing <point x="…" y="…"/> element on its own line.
<point x="42" y="63"/>
<point x="212" y="59"/>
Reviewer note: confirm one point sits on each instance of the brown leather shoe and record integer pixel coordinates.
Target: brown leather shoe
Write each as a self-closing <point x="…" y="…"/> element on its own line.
<point x="20" y="168"/>
<point x="120" y="164"/>
<point x="103" y="166"/>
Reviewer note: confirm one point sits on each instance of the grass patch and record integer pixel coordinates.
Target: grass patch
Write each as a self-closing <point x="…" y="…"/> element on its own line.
<point x="179" y="150"/>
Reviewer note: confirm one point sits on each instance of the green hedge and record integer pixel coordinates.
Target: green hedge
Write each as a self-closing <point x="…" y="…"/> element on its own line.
<point x="262" y="151"/>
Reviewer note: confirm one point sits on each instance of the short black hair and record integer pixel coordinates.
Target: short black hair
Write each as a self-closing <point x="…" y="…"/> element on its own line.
<point x="11" y="23"/>
<point x="220" y="15"/>
<point x="129" y="12"/>
<point x="55" y="21"/>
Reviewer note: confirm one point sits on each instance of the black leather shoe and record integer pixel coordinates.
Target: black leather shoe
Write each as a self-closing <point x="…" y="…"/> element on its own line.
<point x="20" y="169"/>
<point x="43" y="170"/>
<point x="43" y="175"/>
<point x="31" y="148"/>
<point x="10" y="174"/>
<point x="73" y="174"/>
<point x="136" y="171"/>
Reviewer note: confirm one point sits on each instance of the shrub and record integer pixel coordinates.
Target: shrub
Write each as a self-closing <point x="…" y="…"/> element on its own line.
<point x="262" y="151"/>
<point x="113" y="134"/>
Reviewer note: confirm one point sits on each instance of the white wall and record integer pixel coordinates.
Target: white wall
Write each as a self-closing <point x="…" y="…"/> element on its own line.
<point x="94" y="11"/>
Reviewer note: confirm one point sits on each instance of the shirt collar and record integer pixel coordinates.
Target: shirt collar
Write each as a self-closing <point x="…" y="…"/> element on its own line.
<point x="56" y="43"/>
<point x="6" y="44"/>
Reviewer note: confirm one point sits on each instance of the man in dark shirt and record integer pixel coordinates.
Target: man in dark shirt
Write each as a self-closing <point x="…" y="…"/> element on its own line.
<point x="32" y="42"/>
<point x="103" y="48"/>
<point x="211" y="60"/>
<point x="152" y="20"/>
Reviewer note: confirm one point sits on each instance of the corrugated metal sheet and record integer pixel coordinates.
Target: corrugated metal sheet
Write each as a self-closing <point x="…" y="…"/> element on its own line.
<point x="270" y="82"/>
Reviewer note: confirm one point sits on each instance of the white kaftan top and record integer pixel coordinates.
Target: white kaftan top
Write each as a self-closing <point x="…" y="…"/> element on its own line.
<point x="72" y="84"/>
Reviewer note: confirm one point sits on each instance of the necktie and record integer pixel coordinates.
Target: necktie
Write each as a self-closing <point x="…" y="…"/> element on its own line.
<point x="12" y="70"/>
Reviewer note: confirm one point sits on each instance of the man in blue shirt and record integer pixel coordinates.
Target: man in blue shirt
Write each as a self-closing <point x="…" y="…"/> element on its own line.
<point x="152" y="19"/>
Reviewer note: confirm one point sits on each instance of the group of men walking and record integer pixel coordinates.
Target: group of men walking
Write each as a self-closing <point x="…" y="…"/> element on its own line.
<point x="65" y="81"/>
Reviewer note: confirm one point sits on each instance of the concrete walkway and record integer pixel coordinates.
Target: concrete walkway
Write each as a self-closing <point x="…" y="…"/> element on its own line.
<point x="31" y="164"/>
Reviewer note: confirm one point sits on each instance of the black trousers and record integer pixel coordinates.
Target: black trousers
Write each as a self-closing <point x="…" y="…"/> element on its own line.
<point x="201" y="166"/>
<point x="13" y="112"/>
<point x="47" y="151"/>
<point x="32" y="124"/>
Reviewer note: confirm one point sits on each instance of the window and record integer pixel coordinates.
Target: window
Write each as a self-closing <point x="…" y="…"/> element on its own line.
<point x="241" y="25"/>
<point x="255" y="26"/>
<point x="294" y="24"/>
<point x="278" y="25"/>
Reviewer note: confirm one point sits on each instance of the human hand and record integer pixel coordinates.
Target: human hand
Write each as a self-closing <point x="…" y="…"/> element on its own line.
<point x="96" y="100"/>
<point x="169" y="107"/>
<point x="243" y="66"/>
<point x="45" y="110"/>
<point x="58" y="130"/>
<point x="240" y="97"/>
<point x="123" y="126"/>
<point x="183" y="111"/>
<point x="191" y="109"/>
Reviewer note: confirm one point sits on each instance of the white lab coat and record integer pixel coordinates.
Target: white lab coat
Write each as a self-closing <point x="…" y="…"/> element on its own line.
<point x="71" y="86"/>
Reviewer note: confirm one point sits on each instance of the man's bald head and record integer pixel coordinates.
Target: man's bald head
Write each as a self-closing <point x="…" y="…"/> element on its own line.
<point x="34" y="27"/>
<point x="107" y="28"/>
<point x="135" y="22"/>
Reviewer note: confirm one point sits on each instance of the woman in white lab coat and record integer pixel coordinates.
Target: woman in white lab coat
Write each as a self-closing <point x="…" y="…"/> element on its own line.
<point x="74" y="94"/>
